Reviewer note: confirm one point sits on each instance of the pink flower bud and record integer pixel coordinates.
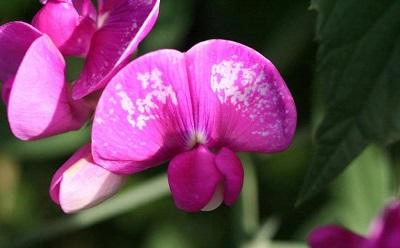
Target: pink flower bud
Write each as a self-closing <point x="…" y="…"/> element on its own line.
<point x="70" y="24"/>
<point x="81" y="184"/>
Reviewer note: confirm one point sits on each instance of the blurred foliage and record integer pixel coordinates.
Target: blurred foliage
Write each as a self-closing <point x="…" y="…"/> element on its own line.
<point x="355" y="74"/>
<point x="358" y="195"/>
<point x="358" y="66"/>
<point x="173" y="25"/>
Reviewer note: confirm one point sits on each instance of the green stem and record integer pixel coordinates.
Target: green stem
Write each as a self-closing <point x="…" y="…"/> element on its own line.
<point x="249" y="211"/>
<point x="135" y="197"/>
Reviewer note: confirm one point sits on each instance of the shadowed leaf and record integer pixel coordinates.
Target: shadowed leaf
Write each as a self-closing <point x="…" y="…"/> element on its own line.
<point x="358" y="62"/>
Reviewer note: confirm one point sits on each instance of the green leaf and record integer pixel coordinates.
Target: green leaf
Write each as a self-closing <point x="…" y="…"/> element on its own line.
<point x="358" y="62"/>
<point x="362" y="191"/>
<point x="358" y="194"/>
<point x="249" y="205"/>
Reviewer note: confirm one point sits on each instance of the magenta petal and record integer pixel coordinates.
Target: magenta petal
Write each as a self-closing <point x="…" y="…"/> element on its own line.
<point x="122" y="26"/>
<point x="78" y="42"/>
<point x="385" y="231"/>
<point x="39" y="105"/>
<point x="15" y="39"/>
<point x="144" y="114"/>
<point x="241" y="100"/>
<point x="85" y="8"/>
<point x="333" y="237"/>
<point x="193" y="178"/>
<point x="77" y="30"/>
<point x="54" y="17"/>
<point x="80" y="184"/>
<point x="231" y="168"/>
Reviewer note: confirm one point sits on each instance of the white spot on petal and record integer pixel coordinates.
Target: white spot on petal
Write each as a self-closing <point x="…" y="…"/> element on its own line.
<point x="144" y="108"/>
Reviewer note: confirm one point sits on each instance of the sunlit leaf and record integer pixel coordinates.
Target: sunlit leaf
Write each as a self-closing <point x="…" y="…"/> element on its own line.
<point x="363" y="189"/>
<point x="358" y="62"/>
<point x="249" y="208"/>
<point x="358" y="194"/>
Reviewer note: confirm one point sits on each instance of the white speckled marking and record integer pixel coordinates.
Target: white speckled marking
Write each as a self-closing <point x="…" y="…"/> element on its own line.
<point x="224" y="77"/>
<point x="99" y="120"/>
<point x="261" y="133"/>
<point x="142" y="110"/>
<point x="248" y="90"/>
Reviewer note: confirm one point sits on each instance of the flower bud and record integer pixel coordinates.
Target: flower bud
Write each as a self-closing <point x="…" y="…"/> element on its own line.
<point x="70" y="24"/>
<point x="81" y="184"/>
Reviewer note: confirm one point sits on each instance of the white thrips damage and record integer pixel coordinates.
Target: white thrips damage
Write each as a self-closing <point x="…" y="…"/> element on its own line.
<point x="157" y="92"/>
<point x="248" y="90"/>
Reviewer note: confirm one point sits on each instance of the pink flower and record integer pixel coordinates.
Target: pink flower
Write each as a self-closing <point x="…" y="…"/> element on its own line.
<point x="39" y="100"/>
<point x="196" y="109"/>
<point x="384" y="233"/>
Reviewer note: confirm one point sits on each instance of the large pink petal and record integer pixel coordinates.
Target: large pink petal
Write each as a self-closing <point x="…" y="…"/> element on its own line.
<point x="231" y="168"/>
<point x="122" y="25"/>
<point x="334" y="237"/>
<point x="39" y="104"/>
<point x="240" y="99"/>
<point x="15" y="39"/>
<point x="385" y="231"/>
<point x="80" y="184"/>
<point x="193" y="178"/>
<point x="144" y="115"/>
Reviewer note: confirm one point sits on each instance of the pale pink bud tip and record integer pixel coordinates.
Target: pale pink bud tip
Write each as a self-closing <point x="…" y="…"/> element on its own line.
<point x="81" y="184"/>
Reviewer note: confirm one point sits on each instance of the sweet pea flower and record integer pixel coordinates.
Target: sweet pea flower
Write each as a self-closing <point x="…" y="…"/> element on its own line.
<point x="80" y="183"/>
<point x="38" y="105"/>
<point x="197" y="109"/>
<point x="384" y="233"/>
<point x="32" y="68"/>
